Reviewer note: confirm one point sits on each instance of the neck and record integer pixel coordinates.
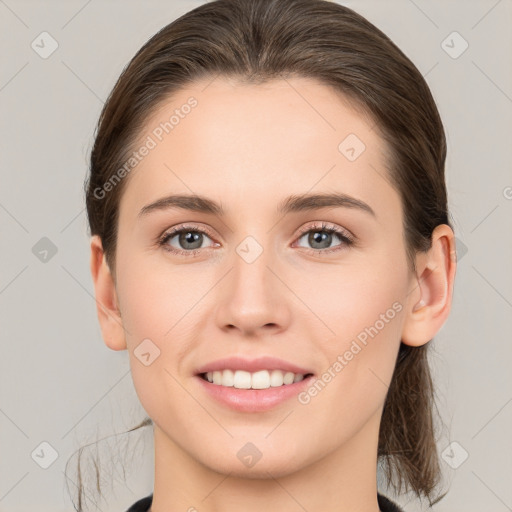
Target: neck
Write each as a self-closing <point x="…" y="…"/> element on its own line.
<point x="342" y="480"/>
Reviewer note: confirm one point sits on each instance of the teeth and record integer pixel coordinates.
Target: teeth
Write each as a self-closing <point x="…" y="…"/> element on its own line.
<point x="262" y="379"/>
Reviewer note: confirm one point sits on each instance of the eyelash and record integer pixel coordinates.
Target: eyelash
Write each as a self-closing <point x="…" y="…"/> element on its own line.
<point x="346" y="239"/>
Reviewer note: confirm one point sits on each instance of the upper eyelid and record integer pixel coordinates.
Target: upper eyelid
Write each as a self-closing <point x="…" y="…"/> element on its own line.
<point x="324" y="225"/>
<point x="184" y="227"/>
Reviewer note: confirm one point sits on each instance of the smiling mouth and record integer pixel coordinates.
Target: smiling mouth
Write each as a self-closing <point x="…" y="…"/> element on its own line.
<point x="263" y="379"/>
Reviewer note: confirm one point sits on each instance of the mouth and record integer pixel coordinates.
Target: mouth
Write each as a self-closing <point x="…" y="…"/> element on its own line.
<point x="259" y="380"/>
<point x="252" y="385"/>
<point x="255" y="392"/>
<point x="263" y="379"/>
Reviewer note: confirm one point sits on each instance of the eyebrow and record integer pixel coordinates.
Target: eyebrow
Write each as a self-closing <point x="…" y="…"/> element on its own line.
<point x="293" y="203"/>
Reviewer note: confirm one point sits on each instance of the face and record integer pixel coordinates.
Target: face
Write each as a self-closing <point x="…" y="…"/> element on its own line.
<point x="321" y="286"/>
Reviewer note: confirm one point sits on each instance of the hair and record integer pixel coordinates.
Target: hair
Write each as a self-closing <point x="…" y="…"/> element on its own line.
<point x="255" y="41"/>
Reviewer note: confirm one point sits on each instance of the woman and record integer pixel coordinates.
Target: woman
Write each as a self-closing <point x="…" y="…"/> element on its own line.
<point x="271" y="244"/>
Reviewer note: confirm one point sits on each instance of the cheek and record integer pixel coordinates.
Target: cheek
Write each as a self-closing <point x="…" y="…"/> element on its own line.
<point x="364" y="311"/>
<point x="146" y="309"/>
<point x="155" y="298"/>
<point x="347" y="301"/>
<point x="367" y="339"/>
<point x="154" y="309"/>
<point x="360" y="361"/>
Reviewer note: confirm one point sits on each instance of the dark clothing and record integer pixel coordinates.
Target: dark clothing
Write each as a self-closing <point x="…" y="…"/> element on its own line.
<point x="385" y="504"/>
<point x="141" y="505"/>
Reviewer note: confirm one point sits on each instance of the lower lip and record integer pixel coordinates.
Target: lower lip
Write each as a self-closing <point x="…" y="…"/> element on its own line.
<point x="253" y="400"/>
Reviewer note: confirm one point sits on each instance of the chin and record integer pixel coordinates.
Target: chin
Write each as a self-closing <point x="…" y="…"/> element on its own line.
<point x="272" y="465"/>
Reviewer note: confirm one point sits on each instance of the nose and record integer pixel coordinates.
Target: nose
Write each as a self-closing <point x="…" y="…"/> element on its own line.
<point x="253" y="298"/>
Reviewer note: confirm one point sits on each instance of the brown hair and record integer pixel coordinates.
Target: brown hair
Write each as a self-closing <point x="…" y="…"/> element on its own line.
<point x="254" y="41"/>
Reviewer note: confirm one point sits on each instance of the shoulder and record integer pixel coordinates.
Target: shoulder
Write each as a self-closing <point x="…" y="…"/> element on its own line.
<point x="386" y="505"/>
<point x="142" y="505"/>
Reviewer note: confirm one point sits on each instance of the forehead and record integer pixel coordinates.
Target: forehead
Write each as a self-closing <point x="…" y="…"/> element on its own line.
<point x="249" y="143"/>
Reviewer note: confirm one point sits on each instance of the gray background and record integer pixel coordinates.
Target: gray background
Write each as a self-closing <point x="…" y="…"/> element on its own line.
<point x="61" y="385"/>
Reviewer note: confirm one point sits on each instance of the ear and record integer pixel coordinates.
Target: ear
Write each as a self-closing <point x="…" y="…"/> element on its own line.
<point x="430" y="300"/>
<point x="109" y="315"/>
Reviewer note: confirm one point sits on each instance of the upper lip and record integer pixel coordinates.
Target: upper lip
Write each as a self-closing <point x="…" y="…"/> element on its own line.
<point x="252" y="365"/>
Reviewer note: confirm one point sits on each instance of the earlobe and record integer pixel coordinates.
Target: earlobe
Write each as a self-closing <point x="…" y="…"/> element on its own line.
<point x="107" y="306"/>
<point x="430" y="300"/>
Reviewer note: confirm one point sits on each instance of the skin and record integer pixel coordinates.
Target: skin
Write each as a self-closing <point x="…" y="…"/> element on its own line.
<point x="249" y="147"/>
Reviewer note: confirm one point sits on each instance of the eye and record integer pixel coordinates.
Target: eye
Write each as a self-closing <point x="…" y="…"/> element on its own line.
<point x="321" y="236"/>
<point x="188" y="239"/>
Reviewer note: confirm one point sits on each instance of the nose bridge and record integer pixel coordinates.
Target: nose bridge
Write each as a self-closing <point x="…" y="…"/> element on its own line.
<point x="252" y="255"/>
<point x="251" y="277"/>
<point x="253" y="295"/>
